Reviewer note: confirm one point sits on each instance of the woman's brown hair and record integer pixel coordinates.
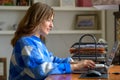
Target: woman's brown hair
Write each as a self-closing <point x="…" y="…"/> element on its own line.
<point x="35" y="15"/>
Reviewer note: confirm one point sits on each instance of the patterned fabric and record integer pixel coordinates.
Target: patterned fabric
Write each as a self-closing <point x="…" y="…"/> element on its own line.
<point x="31" y="60"/>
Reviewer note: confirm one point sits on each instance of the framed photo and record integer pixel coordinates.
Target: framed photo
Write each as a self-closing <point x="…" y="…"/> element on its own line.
<point x="3" y="73"/>
<point x="67" y="3"/>
<point x="86" y="21"/>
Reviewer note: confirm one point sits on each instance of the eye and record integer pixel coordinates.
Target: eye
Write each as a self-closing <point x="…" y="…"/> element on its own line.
<point x="47" y="19"/>
<point x="50" y="20"/>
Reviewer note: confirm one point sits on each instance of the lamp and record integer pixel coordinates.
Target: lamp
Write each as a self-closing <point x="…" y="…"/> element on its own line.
<point x="111" y="5"/>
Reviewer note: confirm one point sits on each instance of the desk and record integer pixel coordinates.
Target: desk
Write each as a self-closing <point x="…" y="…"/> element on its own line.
<point x="76" y="76"/>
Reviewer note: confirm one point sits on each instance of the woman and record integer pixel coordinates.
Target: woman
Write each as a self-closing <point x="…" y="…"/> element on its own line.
<point x="31" y="59"/>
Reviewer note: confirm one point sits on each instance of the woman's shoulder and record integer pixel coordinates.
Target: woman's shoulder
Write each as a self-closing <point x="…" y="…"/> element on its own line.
<point x="25" y="38"/>
<point x="30" y="40"/>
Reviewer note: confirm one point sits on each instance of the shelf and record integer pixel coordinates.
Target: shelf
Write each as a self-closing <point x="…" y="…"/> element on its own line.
<point x="74" y="8"/>
<point x="6" y="32"/>
<point x="55" y="8"/>
<point x="14" y="8"/>
<point x="60" y="32"/>
<point x="76" y="32"/>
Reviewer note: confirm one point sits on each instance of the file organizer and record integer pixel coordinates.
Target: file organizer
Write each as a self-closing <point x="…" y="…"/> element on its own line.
<point x="83" y="48"/>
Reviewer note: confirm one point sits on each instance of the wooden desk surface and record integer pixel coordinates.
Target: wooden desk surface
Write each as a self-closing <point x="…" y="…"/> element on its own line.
<point x="76" y="76"/>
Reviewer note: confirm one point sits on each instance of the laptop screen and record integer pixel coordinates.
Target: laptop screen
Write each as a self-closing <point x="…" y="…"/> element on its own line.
<point x="111" y="56"/>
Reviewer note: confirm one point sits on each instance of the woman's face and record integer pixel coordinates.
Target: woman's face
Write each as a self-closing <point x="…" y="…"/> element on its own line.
<point x="46" y="26"/>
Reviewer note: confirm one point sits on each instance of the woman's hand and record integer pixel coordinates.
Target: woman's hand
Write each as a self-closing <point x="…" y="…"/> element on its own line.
<point x="77" y="65"/>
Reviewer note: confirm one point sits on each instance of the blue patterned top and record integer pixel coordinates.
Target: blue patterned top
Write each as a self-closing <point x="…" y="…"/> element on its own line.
<point x="31" y="60"/>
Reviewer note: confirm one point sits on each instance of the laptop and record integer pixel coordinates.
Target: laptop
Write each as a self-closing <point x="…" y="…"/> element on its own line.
<point x="109" y="60"/>
<point x="110" y="56"/>
<point x="103" y="68"/>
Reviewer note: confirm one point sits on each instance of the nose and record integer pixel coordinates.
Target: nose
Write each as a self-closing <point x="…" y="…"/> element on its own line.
<point x="52" y="25"/>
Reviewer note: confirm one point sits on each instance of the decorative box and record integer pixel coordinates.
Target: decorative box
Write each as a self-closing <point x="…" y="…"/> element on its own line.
<point x="84" y="3"/>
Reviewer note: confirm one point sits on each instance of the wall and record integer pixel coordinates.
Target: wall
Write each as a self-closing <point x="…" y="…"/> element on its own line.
<point x="110" y="28"/>
<point x="5" y="48"/>
<point x="60" y="44"/>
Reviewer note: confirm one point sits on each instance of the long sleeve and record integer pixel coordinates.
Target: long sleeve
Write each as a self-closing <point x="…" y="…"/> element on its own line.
<point x="41" y="63"/>
<point x="63" y="65"/>
<point x="31" y="60"/>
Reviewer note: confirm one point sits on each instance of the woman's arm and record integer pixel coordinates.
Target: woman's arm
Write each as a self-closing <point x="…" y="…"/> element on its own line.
<point x="77" y="65"/>
<point x="60" y="60"/>
<point x="40" y="67"/>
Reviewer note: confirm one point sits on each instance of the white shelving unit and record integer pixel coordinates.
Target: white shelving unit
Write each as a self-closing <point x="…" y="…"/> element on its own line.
<point x="61" y="37"/>
<point x="74" y="11"/>
<point x="10" y="32"/>
<point x="55" y="8"/>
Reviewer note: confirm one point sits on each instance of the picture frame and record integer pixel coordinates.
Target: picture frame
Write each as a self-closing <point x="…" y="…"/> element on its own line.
<point x="86" y="21"/>
<point x="3" y="66"/>
<point x="67" y="3"/>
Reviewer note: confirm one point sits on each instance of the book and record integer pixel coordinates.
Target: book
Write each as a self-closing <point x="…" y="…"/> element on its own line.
<point x="6" y="2"/>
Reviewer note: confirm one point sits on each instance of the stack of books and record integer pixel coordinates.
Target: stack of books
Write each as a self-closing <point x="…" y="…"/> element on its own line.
<point x="16" y="2"/>
<point x="91" y="51"/>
